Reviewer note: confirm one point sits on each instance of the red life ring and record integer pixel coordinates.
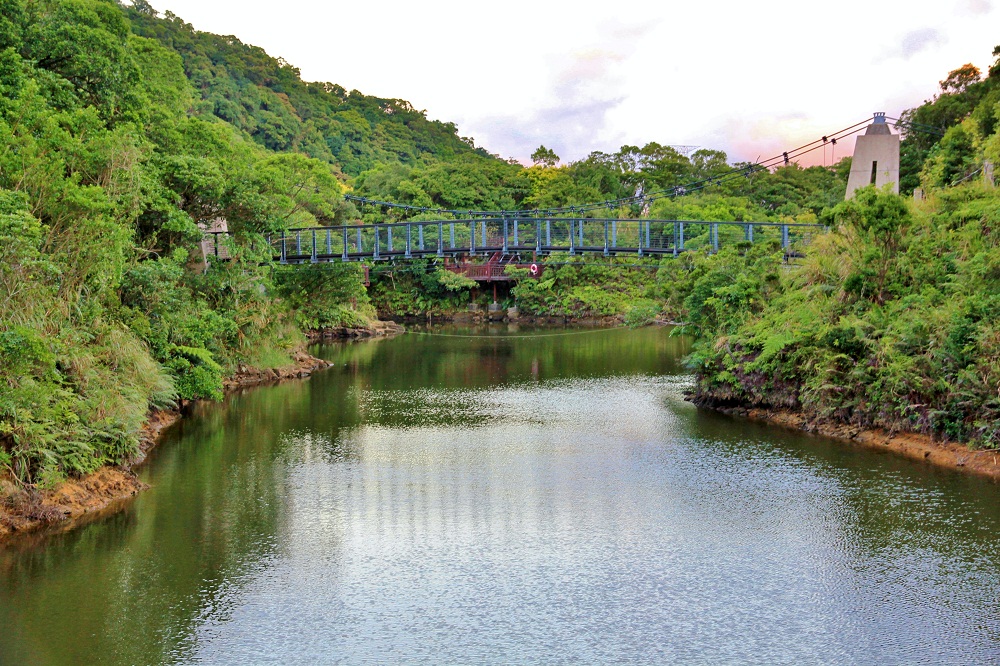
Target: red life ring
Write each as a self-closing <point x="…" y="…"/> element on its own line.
<point x="534" y="269"/>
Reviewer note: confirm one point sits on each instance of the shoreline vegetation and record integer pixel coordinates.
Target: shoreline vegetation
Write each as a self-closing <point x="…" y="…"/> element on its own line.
<point x="126" y="134"/>
<point x="26" y="510"/>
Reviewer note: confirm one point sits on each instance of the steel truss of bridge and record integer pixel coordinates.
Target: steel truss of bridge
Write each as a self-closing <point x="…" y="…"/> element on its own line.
<point x="517" y="236"/>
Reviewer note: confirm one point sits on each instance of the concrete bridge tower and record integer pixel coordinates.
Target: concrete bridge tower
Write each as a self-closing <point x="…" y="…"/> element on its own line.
<point x="876" y="158"/>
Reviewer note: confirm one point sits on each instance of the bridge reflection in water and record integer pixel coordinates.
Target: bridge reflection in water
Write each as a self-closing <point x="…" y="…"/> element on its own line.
<point x="520" y="237"/>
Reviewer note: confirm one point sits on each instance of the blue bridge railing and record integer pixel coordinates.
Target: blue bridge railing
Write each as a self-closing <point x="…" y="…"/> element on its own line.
<point x="535" y="236"/>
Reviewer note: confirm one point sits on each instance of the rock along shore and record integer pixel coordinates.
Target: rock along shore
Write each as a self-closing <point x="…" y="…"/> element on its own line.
<point x="916" y="446"/>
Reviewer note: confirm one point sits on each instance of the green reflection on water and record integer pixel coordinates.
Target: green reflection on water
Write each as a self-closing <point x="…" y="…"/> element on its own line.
<point x="139" y="585"/>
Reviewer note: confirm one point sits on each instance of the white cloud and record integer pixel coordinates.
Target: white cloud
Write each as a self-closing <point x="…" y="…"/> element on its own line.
<point x="919" y="40"/>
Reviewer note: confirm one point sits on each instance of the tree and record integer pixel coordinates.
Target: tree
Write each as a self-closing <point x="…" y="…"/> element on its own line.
<point x="545" y="157"/>
<point x="960" y="79"/>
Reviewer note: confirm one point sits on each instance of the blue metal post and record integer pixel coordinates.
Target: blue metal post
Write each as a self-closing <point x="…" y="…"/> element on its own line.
<point x="676" y="229"/>
<point x="329" y="242"/>
<point x="376" y="241"/>
<point x="647" y="234"/>
<point x="312" y="257"/>
<point x="284" y="249"/>
<point x="409" y="233"/>
<point x="483" y="237"/>
<point x="680" y="244"/>
<point x="359" y="240"/>
<point x="505" y="235"/>
<point x="784" y="236"/>
<point x="298" y="243"/>
<point x="572" y="249"/>
<point x="388" y="235"/>
<point x="548" y="233"/>
<point x="344" y="255"/>
<point x="714" y="233"/>
<point x="420" y="236"/>
<point x="580" y="222"/>
<point x="639" y="237"/>
<point x="472" y="236"/>
<point x="749" y="233"/>
<point x="452" y="226"/>
<point x="538" y="236"/>
<point x="515" y="232"/>
<point x="440" y="239"/>
<point x="605" y="238"/>
<point x="614" y="233"/>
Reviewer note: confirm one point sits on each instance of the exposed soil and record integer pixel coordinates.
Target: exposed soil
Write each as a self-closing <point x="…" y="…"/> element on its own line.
<point x="911" y="445"/>
<point x="27" y="509"/>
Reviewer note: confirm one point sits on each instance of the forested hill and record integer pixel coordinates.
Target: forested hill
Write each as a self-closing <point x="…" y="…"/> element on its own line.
<point x="266" y="98"/>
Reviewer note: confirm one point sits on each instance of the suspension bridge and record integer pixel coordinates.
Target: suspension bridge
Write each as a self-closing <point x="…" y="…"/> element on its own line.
<point x="505" y="238"/>
<point x="514" y="240"/>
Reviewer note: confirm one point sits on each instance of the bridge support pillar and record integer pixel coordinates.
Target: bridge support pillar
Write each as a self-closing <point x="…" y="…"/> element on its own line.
<point x="876" y="158"/>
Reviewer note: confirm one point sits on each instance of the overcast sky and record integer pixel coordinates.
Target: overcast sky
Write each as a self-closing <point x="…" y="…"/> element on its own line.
<point x="751" y="78"/>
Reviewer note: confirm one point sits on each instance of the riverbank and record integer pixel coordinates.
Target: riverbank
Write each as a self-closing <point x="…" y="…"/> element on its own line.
<point x="377" y="329"/>
<point x="916" y="446"/>
<point x="25" y="510"/>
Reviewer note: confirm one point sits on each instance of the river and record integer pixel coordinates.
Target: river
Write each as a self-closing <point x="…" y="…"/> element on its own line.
<point x="504" y="495"/>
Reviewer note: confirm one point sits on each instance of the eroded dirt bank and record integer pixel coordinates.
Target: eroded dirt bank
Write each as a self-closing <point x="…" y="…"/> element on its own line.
<point x="27" y="509"/>
<point x="912" y="445"/>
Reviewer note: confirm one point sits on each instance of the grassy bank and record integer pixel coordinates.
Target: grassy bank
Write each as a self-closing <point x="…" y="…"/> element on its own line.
<point x="890" y="322"/>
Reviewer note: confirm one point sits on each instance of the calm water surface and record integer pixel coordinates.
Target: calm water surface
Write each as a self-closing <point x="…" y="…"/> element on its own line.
<point x="521" y="497"/>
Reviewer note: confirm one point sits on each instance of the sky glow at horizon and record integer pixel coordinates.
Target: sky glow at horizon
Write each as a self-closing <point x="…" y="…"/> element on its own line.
<point x="752" y="79"/>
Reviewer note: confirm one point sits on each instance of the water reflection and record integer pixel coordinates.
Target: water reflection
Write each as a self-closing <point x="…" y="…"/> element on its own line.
<point x="463" y="499"/>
